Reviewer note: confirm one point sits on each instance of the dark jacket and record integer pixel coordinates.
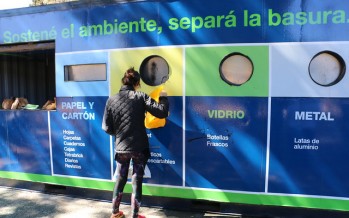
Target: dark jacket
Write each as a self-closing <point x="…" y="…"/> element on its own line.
<point x="124" y="118"/>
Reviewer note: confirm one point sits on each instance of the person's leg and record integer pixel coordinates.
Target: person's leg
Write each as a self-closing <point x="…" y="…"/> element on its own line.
<point x="123" y="164"/>
<point x="139" y="161"/>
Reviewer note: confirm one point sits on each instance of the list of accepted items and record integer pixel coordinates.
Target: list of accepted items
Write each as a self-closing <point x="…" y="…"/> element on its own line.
<point x="73" y="146"/>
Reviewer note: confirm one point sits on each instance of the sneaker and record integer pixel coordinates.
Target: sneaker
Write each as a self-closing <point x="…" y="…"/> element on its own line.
<point x="120" y="214"/>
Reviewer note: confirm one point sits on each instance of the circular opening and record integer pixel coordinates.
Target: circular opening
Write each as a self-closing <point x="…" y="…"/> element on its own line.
<point x="236" y="69"/>
<point x="154" y="70"/>
<point x="326" y="68"/>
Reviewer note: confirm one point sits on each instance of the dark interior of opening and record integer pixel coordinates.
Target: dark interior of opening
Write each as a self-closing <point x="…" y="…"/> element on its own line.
<point x="28" y="70"/>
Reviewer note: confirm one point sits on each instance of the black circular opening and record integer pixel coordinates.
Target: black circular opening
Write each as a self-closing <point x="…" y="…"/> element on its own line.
<point x="326" y="68"/>
<point x="236" y="69"/>
<point x="154" y="70"/>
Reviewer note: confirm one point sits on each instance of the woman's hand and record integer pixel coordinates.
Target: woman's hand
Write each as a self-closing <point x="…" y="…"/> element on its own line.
<point x="163" y="93"/>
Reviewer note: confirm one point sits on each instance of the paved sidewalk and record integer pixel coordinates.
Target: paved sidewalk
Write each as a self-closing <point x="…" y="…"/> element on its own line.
<point x="24" y="203"/>
<point x="33" y="204"/>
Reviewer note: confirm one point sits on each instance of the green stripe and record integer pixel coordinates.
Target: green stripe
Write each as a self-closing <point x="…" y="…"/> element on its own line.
<point x="58" y="180"/>
<point x="257" y="199"/>
<point x="189" y="193"/>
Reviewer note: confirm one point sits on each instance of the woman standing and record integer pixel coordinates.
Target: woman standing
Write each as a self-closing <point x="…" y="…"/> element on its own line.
<point x="124" y="118"/>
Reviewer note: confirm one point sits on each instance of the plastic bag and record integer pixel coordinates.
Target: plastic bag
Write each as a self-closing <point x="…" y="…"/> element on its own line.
<point x="151" y="121"/>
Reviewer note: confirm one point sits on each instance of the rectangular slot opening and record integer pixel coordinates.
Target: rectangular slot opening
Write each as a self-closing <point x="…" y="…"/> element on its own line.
<point x="85" y="72"/>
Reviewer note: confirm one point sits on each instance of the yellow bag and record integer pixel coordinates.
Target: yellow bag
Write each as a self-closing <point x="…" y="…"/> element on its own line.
<point x="151" y="121"/>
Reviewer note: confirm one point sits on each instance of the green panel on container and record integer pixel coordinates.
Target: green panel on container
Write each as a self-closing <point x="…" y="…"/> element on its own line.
<point x="203" y="75"/>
